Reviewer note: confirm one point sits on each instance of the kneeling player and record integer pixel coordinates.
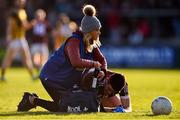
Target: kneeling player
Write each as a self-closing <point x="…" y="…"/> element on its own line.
<point x="120" y="100"/>
<point x="113" y="93"/>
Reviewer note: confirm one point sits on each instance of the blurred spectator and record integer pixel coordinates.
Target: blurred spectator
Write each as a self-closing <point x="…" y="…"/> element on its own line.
<point x="63" y="30"/>
<point x="144" y="28"/>
<point x="113" y="22"/>
<point x="135" y="36"/>
<point x="39" y="45"/>
<point x="140" y="30"/>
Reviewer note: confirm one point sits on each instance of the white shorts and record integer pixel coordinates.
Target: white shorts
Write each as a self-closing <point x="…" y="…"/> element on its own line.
<point x="18" y="44"/>
<point x="40" y="48"/>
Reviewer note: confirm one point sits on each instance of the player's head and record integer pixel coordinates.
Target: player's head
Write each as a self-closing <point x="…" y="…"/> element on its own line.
<point x="117" y="82"/>
<point x="110" y="87"/>
<point x="40" y="14"/>
<point x="20" y="3"/>
<point x="90" y="26"/>
<point x="114" y="85"/>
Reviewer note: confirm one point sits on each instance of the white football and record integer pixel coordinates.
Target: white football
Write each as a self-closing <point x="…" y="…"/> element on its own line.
<point x="161" y="106"/>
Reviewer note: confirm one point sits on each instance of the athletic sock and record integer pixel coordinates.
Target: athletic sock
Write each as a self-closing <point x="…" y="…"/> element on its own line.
<point x="48" y="105"/>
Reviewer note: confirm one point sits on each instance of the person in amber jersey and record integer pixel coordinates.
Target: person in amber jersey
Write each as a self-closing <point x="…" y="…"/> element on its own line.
<point x="16" y="42"/>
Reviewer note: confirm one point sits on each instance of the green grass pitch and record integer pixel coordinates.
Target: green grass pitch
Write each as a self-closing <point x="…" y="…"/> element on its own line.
<point x="144" y="86"/>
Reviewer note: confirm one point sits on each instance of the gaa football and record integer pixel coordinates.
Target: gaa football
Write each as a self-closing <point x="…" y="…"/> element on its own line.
<point x="161" y="106"/>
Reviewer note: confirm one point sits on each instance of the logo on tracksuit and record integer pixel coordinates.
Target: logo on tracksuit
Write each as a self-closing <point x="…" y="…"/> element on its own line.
<point x="77" y="109"/>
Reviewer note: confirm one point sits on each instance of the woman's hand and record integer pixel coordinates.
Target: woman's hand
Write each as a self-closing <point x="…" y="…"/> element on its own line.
<point x="97" y="64"/>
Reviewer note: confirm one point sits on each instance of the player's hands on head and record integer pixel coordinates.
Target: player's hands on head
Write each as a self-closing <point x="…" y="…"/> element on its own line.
<point x="101" y="75"/>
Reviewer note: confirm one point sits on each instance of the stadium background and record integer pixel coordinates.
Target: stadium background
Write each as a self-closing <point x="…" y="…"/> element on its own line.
<point x="135" y="33"/>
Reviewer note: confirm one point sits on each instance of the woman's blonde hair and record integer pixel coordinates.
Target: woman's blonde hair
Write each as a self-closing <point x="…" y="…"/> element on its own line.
<point x="88" y="45"/>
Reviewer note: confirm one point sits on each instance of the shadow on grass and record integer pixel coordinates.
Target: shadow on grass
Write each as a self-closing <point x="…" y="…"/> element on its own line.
<point x="145" y="115"/>
<point x="32" y="113"/>
<point x="36" y="113"/>
<point x="148" y="114"/>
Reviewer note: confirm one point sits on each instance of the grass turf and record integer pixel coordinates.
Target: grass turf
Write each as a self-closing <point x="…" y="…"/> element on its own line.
<point x="144" y="86"/>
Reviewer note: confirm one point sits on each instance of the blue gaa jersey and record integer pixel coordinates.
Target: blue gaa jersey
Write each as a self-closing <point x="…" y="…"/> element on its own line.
<point x="58" y="68"/>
